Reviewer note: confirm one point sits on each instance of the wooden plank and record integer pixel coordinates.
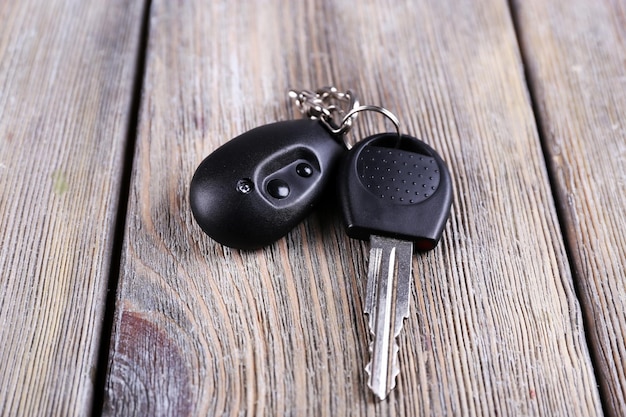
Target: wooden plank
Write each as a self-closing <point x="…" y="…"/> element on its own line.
<point x="66" y="80"/>
<point x="495" y="326"/>
<point x="577" y="67"/>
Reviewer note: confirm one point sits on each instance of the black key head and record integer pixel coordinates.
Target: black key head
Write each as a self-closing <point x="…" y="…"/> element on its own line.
<point x="395" y="187"/>
<point x="255" y="188"/>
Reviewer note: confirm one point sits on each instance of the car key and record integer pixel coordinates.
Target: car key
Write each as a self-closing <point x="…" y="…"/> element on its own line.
<point x="396" y="191"/>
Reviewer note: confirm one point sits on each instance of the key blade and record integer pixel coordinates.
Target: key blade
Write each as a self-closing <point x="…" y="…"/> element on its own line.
<point x="387" y="305"/>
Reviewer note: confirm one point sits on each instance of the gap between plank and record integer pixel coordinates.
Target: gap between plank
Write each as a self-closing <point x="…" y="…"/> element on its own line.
<point x="99" y="394"/>
<point x="560" y="205"/>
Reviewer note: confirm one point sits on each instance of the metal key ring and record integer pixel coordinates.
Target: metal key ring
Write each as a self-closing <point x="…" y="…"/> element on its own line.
<point x="324" y="105"/>
<point x="346" y="124"/>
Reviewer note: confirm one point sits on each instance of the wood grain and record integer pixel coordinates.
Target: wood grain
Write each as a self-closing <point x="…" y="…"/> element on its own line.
<point x="66" y="72"/>
<point x="577" y="68"/>
<point x="200" y="329"/>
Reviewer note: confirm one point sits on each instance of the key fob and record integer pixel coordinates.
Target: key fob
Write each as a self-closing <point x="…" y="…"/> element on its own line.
<point x="258" y="186"/>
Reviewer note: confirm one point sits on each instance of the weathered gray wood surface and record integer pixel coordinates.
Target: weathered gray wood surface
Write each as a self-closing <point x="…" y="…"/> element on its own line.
<point x="66" y="73"/>
<point x="495" y="327"/>
<point x="576" y="55"/>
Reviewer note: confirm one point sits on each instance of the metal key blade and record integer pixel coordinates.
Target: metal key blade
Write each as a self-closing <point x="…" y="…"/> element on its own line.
<point x="387" y="305"/>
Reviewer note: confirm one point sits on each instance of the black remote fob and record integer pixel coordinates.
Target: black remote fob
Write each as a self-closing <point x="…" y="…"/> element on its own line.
<point x="255" y="188"/>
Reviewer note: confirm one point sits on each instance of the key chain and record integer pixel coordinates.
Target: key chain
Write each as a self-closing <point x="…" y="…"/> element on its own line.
<point x="394" y="190"/>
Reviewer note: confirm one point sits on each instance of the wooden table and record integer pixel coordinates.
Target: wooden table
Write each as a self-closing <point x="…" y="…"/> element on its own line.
<point x="113" y="301"/>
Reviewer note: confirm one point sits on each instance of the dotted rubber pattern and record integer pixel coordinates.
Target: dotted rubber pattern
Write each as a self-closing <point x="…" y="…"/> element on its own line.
<point x="396" y="175"/>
